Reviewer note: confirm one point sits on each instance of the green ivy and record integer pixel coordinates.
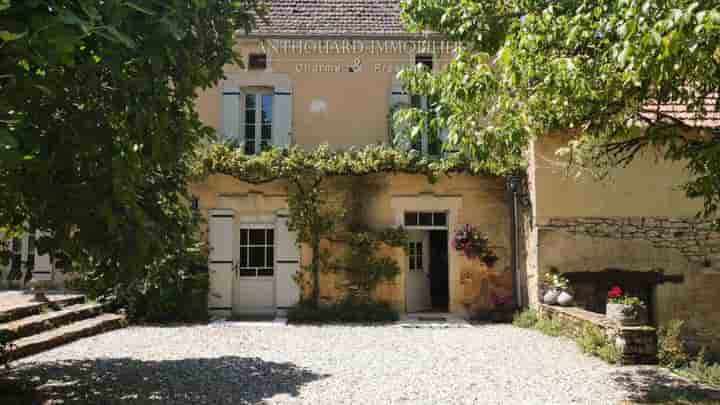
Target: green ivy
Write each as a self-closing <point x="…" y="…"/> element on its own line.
<point x="294" y="162"/>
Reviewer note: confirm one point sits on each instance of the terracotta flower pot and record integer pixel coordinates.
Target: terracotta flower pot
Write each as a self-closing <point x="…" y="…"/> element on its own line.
<point x="626" y="315"/>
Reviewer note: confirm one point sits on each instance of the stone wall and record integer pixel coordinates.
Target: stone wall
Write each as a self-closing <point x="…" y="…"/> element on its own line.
<point x="683" y="249"/>
<point x="637" y="344"/>
<point x="694" y="238"/>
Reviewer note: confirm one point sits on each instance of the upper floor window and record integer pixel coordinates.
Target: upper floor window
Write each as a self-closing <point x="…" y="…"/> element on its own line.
<point x="429" y="142"/>
<point x="257" y="61"/>
<point x="426" y="60"/>
<point x="257" y="128"/>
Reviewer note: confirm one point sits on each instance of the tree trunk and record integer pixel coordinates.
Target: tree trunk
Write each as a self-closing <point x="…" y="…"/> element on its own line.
<point x="315" y="247"/>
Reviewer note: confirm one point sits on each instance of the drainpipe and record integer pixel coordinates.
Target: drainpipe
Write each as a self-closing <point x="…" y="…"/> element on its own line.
<point x="514" y="183"/>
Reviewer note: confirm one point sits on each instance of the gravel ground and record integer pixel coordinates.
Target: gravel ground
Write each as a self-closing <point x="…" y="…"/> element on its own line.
<point x="240" y="363"/>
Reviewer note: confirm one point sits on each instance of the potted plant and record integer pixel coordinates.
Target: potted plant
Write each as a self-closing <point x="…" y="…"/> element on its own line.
<point x="474" y="244"/>
<point x="625" y="309"/>
<point x="557" y="289"/>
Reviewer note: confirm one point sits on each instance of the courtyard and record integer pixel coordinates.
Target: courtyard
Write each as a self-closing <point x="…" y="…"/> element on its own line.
<point x="273" y="363"/>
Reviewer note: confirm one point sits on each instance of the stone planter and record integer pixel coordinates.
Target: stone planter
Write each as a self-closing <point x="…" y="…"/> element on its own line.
<point x="622" y="314"/>
<point x="551" y="296"/>
<point x="565" y="298"/>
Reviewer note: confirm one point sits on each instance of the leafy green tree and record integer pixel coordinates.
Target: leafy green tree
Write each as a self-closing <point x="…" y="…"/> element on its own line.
<point x="603" y="68"/>
<point x="98" y="127"/>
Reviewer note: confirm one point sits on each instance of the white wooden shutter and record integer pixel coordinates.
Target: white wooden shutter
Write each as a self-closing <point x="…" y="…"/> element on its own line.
<point x="222" y="252"/>
<point x="230" y="114"/>
<point x="398" y="96"/>
<point x="43" y="264"/>
<point x="282" y="116"/>
<point x="287" y="263"/>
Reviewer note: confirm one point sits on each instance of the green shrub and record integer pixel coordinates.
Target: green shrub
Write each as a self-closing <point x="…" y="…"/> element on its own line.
<point x="343" y="312"/>
<point x="172" y="289"/>
<point x="5" y="346"/>
<point x="550" y="327"/>
<point x="593" y="341"/>
<point x="525" y="319"/>
<point x="671" y="351"/>
<point x="701" y="370"/>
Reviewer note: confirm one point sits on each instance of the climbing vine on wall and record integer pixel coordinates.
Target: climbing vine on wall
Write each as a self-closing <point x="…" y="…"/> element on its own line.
<point x="315" y="218"/>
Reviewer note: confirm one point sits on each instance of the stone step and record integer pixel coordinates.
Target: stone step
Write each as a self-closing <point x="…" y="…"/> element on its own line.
<point x="41" y="322"/>
<point x="47" y="340"/>
<point x="33" y="308"/>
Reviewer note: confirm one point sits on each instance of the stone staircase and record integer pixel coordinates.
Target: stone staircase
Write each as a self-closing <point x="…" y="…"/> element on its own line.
<point x="36" y="327"/>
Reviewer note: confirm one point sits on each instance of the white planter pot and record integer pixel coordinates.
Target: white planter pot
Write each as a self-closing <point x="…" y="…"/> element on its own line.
<point x="565" y="298"/>
<point x="618" y="313"/>
<point x="551" y="297"/>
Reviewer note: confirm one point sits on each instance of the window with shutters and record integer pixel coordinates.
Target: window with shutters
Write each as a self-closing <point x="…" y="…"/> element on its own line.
<point x="429" y="142"/>
<point x="257" y="252"/>
<point x="258" y="121"/>
<point x="257" y="61"/>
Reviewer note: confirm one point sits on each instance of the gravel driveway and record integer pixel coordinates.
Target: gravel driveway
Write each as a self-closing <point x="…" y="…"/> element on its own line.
<point x="238" y="363"/>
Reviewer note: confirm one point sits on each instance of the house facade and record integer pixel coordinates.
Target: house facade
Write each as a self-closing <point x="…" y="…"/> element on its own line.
<point x="317" y="73"/>
<point x="325" y="73"/>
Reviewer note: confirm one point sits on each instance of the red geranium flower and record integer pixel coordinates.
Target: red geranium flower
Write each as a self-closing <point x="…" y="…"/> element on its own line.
<point x="615" y="291"/>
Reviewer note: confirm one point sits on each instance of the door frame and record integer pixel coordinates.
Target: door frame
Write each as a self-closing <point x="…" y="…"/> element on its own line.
<point x="451" y="204"/>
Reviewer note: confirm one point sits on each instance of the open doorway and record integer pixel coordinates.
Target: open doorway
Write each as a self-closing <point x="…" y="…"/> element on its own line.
<point x="439" y="275"/>
<point x="427" y="287"/>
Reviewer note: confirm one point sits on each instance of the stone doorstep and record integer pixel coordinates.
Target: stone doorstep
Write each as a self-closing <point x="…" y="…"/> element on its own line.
<point x="33" y="308"/>
<point x="65" y="334"/>
<point x="44" y="321"/>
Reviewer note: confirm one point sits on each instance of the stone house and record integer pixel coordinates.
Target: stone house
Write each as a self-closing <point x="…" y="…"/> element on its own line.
<point x="325" y="73"/>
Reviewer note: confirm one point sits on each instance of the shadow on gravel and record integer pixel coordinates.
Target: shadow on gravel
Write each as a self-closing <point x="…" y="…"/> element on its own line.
<point x="653" y="385"/>
<point x="222" y="380"/>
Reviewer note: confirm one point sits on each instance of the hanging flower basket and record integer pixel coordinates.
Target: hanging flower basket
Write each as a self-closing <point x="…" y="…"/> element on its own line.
<point x="474" y="244"/>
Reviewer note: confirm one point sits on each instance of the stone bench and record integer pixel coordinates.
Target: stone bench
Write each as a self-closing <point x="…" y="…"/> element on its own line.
<point x="637" y="344"/>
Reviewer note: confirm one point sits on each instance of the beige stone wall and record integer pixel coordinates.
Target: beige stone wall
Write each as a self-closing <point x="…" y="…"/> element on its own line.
<point x="341" y="108"/>
<point x="637" y="220"/>
<point x="380" y="200"/>
<point x="647" y="187"/>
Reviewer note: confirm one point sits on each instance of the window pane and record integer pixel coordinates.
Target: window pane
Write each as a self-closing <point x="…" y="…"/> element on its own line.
<point x="418" y="262"/>
<point x="247" y="272"/>
<point x="440" y="219"/>
<point x="257" y="61"/>
<point x="243" y="237"/>
<point x="426" y="218"/>
<point x="257" y="256"/>
<point x="257" y="236"/>
<point x="249" y="147"/>
<point x="243" y="256"/>
<point x="249" y="116"/>
<point x="412" y="263"/>
<point x="416" y="101"/>
<point x="265" y="272"/>
<point x="249" y="101"/>
<point x="419" y="249"/>
<point x="411" y="218"/>
<point x="266" y="133"/>
<point x="270" y="236"/>
<point x="269" y="259"/>
<point x="267" y="105"/>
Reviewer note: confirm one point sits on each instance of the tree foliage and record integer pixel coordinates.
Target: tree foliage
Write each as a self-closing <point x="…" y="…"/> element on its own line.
<point x="605" y="69"/>
<point x="98" y="126"/>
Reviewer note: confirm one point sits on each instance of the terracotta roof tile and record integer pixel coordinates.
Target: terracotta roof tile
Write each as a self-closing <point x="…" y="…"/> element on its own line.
<point x="332" y="17"/>
<point x="708" y="116"/>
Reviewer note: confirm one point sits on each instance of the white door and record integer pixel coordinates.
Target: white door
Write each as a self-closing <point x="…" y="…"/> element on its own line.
<point x="254" y="271"/>
<point x="417" y="288"/>
<point x="287" y="263"/>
